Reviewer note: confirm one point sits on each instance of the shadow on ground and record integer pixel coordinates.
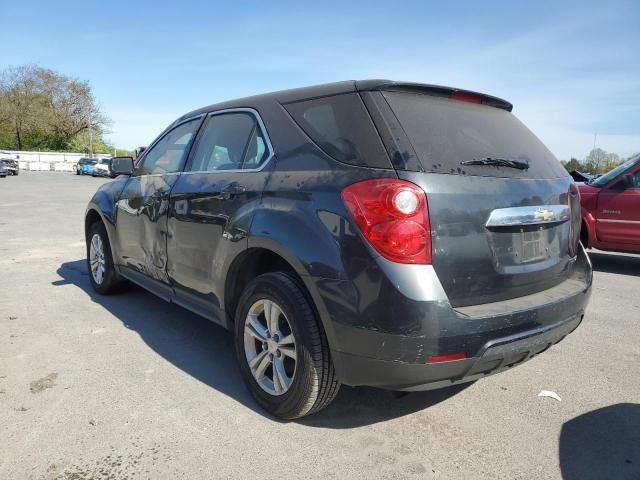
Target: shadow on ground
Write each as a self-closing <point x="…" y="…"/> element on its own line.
<point x="205" y="351"/>
<point x="612" y="263"/>
<point x="604" y="443"/>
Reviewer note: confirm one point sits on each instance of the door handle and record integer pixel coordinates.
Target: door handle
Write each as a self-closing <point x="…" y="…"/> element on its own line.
<point x="229" y="191"/>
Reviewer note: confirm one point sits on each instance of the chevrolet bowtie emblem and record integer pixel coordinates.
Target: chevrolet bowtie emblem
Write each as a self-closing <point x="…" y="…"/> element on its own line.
<point x="544" y="215"/>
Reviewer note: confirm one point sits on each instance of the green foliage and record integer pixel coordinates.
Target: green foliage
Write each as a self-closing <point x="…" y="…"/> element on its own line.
<point x="81" y="143"/>
<point x="597" y="162"/>
<point x="41" y="109"/>
<point x="573" y="164"/>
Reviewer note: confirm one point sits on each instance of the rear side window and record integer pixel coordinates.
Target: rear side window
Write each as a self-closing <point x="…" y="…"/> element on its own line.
<point x="446" y="132"/>
<point x="230" y="141"/>
<point x="340" y="125"/>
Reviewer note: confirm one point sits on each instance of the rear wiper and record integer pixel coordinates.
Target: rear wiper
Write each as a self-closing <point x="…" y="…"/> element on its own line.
<point x="500" y="162"/>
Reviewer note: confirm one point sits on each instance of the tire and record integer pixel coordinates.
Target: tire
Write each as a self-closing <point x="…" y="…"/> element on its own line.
<point x="313" y="384"/>
<point x="110" y="281"/>
<point x="77" y="172"/>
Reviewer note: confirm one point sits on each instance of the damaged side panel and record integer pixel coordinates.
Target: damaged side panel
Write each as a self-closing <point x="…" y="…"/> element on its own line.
<point x="141" y="216"/>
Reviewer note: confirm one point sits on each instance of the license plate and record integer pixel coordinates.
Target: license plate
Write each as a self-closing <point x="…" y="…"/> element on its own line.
<point x="529" y="246"/>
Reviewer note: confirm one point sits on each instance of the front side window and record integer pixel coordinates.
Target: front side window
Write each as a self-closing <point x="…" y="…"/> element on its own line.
<point x="230" y="141"/>
<point x="167" y="156"/>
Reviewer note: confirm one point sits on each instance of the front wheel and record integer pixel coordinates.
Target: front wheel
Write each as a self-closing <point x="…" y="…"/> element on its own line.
<point x="102" y="274"/>
<point x="282" y="350"/>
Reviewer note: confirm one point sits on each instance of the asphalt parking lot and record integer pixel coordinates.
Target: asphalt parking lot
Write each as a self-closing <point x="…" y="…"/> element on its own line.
<point x="132" y="387"/>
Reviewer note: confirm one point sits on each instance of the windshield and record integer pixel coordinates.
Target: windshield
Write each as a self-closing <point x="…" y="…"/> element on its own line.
<point x="619" y="170"/>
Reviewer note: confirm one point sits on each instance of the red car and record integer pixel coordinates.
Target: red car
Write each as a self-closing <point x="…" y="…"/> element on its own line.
<point x="611" y="209"/>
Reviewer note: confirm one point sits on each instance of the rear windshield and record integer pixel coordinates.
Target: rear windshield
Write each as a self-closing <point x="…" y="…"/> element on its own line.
<point x="446" y="132"/>
<point x="340" y="125"/>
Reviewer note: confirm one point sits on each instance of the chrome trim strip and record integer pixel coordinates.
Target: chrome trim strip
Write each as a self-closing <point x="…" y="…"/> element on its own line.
<point x="613" y="220"/>
<point x="530" y="215"/>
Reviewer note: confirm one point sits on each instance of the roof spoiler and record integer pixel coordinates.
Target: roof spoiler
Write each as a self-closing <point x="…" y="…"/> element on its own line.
<point x="433" y="90"/>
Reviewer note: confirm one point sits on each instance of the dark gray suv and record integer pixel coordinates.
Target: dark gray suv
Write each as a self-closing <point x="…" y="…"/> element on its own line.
<point x="380" y="233"/>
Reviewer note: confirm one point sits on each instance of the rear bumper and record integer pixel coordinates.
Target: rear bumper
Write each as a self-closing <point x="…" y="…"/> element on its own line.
<point x="495" y="356"/>
<point x="387" y="342"/>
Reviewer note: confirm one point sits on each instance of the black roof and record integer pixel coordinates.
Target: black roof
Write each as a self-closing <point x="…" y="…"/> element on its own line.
<point x="347" y="86"/>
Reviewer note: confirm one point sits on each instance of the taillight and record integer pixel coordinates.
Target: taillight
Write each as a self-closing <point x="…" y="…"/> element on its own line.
<point x="392" y="215"/>
<point x="576" y="219"/>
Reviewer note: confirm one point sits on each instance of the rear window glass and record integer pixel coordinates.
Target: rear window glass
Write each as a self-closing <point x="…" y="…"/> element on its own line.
<point x="340" y="125"/>
<point x="446" y="132"/>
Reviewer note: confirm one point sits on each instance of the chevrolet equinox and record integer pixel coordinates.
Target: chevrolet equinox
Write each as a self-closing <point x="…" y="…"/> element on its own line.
<point x="389" y="234"/>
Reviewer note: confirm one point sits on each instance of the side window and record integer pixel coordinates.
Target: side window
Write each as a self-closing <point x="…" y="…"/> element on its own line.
<point x="257" y="151"/>
<point x="229" y="141"/>
<point x="340" y="125"/>
<point x="168" y="154"/>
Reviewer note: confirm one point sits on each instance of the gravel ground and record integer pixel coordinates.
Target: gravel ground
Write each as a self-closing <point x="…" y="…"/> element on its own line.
<point x="132" y="387"/>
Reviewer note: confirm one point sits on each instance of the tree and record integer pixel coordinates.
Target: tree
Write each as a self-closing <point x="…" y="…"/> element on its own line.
<point x="573" y="164"/>
<point x="43" y="109"/>
<point x="599" y="161"/>
<point x="21" y="98"/>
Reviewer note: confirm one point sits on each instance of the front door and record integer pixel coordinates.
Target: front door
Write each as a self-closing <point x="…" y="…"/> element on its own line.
<point x="618" y="217"/>
<point x="141" y="210"/>
<point x="212" y="204"/>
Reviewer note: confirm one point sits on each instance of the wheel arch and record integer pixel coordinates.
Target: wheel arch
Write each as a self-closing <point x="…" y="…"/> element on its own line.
<point x="257" y="260"/>
<point x="588" y="230"/>
<point x="92" y="216"/>
<point x="246" y="266"/>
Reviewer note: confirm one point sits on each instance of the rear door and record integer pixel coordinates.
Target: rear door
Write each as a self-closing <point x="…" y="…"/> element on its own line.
<point x="497" y="232"/>
<point x="141" y="210"/>
<point x="618" y="215"/>
<point x="212" y="204"/>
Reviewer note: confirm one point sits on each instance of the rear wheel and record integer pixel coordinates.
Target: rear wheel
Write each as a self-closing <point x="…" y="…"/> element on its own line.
<point x="282" y="351"/>
<point x="102" y="274"/>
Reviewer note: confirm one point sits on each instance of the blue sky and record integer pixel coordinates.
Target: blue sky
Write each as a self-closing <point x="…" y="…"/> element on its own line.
<point x="570" y="69"/>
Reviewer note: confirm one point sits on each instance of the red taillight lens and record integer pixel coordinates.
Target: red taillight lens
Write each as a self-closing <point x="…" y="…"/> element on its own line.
<point x="447" y="357"/>
<point x="393" y="216"/>
<point x="576" y="219"/>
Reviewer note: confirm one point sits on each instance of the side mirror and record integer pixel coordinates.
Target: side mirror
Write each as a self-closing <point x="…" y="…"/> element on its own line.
<point x="121" y="166"/>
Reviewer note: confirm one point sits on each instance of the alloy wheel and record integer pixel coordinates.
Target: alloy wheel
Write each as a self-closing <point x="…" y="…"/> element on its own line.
<point x="270" y="347"/>
<point x="96" y="259"/>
